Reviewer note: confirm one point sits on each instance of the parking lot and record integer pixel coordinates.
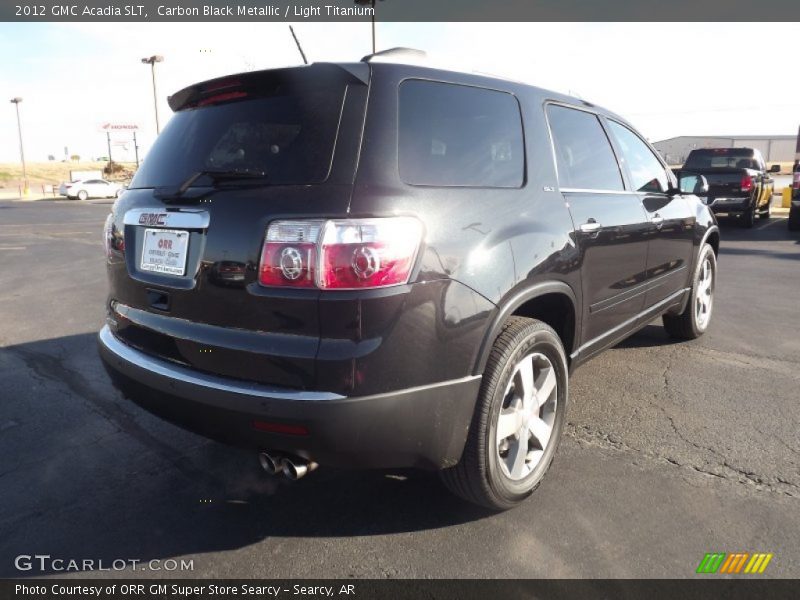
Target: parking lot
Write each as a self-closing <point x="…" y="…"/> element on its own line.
<point x="672" y="449"/>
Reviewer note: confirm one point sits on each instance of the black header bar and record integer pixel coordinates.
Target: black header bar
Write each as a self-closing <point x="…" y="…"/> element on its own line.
<point x="354" y="589"/>
<point x="399" y="10"/>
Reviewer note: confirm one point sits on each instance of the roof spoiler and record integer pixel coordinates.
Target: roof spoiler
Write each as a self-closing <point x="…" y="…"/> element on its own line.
<point x="398" y="55"/>
<point x="231" y="87"/>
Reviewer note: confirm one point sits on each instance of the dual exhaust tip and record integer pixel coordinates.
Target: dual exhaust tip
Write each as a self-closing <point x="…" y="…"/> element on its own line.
<point x="292" y="468"/>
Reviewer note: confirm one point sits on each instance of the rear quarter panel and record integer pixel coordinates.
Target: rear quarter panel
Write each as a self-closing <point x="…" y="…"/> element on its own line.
<point x="495" y="242"/>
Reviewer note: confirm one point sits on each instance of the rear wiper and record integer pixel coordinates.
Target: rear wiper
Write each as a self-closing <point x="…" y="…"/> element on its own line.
<point x="221" y="175"/>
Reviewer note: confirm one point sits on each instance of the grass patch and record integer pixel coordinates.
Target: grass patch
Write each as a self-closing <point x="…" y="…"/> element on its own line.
<point x="52" y="173"/>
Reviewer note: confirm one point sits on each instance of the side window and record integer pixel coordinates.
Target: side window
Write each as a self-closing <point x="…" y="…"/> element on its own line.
<point x="455" y="135"/>
<point x="584" y="156"/>
<point x="647" y="172"/>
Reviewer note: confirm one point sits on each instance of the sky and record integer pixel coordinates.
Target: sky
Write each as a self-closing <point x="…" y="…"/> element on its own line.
<point x="668" y="79"/>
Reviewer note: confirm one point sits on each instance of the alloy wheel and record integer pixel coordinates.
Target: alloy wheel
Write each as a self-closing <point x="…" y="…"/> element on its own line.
<point x="705" y="294"/>
<point x="526" y="420"/>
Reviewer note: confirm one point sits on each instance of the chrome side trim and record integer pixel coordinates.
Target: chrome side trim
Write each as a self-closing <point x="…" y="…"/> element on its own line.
<point x="567" y="190"/>
<point x="173" y="371"/>
<point x="184" y="218"/>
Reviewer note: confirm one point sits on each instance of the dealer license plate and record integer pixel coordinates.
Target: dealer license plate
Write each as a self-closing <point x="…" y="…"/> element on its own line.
<point x="165" y="251"/>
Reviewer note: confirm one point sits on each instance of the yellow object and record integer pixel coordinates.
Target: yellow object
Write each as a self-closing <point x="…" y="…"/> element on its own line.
<point x="787" y="197"/>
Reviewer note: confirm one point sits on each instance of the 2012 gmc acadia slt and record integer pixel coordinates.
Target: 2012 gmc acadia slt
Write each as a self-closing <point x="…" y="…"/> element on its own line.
<point x="381" y="265"/>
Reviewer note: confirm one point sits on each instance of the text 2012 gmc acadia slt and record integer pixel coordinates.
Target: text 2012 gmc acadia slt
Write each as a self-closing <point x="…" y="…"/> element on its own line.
<point x="380" y="265"/>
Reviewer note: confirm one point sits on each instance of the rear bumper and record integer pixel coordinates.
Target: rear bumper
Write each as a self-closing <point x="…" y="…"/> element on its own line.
<point x="730" y="205"/>
<point x="424" y="427"/>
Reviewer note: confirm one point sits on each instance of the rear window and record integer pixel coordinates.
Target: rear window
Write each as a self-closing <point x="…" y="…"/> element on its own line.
<point x="723" y="158"/>
<point x="290" y="137"/>
<point x="455" y="135"/>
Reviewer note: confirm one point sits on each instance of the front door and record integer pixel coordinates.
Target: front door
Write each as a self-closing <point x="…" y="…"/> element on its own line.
<point x="611" y="226"/>
<point x="672" y="222"/>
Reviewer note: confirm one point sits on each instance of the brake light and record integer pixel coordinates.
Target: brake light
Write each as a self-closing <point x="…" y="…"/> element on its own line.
<point x="221" y="84"/>
<point x="747" y="183"/>
<point x="796" y="181"/>
<point x="219" y="98"/>
<point x="368" y="253"/>
<point x="340" y="254"/>
<point x="113" y="238"/>
<point x="289" y="255"/>
<point x="107" y="234"/>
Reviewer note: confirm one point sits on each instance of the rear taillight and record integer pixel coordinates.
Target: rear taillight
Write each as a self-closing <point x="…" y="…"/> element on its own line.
<point x="289" y="255"/>
<point x="113" y="238"/>
<point x="340" y="254"/>
<point x="107" y="234"/>
<point x="796" y="181"/>
<point x="747" y="183"/>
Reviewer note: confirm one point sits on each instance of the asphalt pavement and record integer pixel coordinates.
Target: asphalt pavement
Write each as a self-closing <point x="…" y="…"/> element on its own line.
<point x="672" y="449"/>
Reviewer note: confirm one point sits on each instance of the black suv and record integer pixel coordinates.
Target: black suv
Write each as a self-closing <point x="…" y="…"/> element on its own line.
<point x="381" y="265"/>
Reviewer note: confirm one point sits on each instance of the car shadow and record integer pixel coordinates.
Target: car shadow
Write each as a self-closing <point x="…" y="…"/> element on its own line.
<point x="774" y="229"/>
<point x="650" y="336"/>
<point x="86" y="474"/>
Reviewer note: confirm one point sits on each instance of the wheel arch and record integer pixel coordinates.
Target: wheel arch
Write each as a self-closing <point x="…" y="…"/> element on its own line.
<point x="712" y="237"/>
<point x="552" y="302"/>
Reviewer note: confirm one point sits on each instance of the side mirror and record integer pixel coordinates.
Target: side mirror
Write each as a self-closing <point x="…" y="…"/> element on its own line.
<point x="693" y="184"/>
<point x="775" y="169"/>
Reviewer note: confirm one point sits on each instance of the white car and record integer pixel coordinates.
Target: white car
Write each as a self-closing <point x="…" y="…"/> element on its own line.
<point x="90" y="188"/>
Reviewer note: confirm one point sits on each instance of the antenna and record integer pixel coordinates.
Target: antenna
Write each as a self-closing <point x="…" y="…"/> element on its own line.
<point x="299" y="47"/>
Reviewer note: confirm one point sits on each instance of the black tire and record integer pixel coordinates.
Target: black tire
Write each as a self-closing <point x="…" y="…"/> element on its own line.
<point x="83" y="195"/>
<point x="794" y="219"/>
<point x="766" y="212"/>
<point x="686" y="326"/>
<point x="478" y="477"/>
<point x="749" y="217"/>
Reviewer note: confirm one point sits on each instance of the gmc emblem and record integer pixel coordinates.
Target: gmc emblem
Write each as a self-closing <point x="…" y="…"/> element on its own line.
<point x="153" y="219"/>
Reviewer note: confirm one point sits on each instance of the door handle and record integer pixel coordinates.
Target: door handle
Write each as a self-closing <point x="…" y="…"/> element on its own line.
<point x="657" y="220"/>
<point x="591" y="226"/>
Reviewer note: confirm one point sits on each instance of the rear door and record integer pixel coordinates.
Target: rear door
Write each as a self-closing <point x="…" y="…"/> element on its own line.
<point x="671" y="228"/>
<point x="611" y="226"/>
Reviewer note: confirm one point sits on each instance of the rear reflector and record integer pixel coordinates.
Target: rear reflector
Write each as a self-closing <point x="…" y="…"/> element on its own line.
<point x="343" y="254"/>
<point x="284" y="428"/>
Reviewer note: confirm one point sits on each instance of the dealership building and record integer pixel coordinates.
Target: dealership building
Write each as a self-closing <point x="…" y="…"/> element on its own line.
<point x="774" y="148"/>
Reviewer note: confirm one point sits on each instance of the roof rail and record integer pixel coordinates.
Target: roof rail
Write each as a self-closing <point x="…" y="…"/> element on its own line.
<point x="398" y="55"/>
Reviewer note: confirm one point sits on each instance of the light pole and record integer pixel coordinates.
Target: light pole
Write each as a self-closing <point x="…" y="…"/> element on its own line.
<point x="25" y="188"/>
<point x="152" y="62"/>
